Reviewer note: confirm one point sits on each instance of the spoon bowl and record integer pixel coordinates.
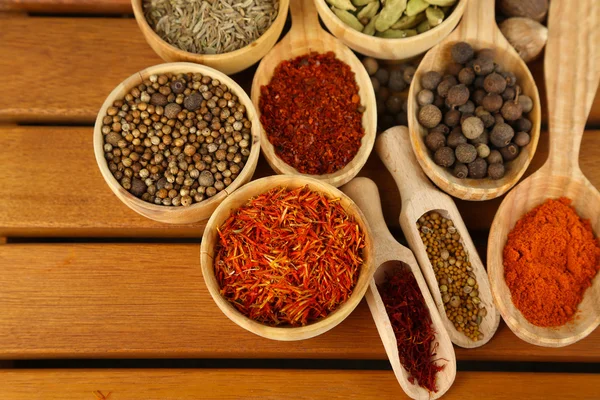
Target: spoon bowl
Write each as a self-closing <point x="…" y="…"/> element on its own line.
<point x="572" y="77"/>
<point x="390" y="255"/>
<point x="419" y="197"/>
<point x="479" y="29"/>
<point x="306" y="36"/>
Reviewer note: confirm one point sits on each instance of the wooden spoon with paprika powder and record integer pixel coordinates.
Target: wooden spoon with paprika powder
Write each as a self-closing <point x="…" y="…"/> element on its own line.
<point x="306" y="36"/>
<point x="420" y="196"/>
<point x="572" y="72"/>
<point x="388" y="255"/>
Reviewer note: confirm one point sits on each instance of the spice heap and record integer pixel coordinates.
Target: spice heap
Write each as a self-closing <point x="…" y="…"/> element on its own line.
<point x="475" y="114"/>
<point x="210" y="26"/>
<point x="312" y="114"/>
<point x="412" y="326"/>
<point x="521" y="24"/>
<point x="289" y="257"/>
<point x="550" y="259"/>
<point x="390" y="82"/>
<point x="392" y="19"/>
<point x="454" y="274"/>
<point x="176" y="139"/>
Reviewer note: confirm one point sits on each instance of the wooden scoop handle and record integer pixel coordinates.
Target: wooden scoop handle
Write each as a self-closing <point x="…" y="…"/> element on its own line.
<point x="305" y="20"/>
<point x="479" y="22"/>
<point x="572" y="73"/>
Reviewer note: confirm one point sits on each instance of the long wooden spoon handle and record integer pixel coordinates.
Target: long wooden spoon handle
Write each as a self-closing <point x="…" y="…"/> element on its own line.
<point x="478" y="22"/>
<point x="572" y="73"/>
<point x="305" y="20"/>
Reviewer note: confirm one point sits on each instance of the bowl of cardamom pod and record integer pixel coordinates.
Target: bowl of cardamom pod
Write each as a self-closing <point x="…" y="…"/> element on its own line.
<point x="391" y="29"/>
<point x="213" y="33"/>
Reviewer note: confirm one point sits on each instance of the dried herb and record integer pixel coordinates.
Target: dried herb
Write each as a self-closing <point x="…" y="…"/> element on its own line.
<point x="288" y="257"/>
<point x="210" y="26"/>
<point x="412" y="326"/>
<point x="312" y="114"/>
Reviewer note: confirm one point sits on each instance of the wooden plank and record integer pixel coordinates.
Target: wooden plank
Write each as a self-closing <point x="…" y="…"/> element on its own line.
<point x="150" y="301"/>
<point x="68" y="6"/>
<point x="107" y="50"/>
<point x="267" y="384"/>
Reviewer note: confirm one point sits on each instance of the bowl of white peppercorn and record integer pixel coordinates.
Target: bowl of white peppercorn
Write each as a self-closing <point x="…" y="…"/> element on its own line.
<point x="174" y="140"/>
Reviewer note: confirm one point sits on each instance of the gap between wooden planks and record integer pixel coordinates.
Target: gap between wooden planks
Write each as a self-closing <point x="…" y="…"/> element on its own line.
<point x="276" y="384"/>
<point x="150" y="301"/>
<point x="67" y="76"/>
<point x="51" y="186"/>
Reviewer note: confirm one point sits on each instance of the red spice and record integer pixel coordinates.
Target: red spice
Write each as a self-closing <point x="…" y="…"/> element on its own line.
<point x="288" y="257"/>
<point x="312" y="114"/>
<point x="412" y="326"/>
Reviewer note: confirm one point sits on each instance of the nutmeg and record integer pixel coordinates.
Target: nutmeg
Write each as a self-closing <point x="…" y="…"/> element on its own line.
<point x="534" y="9"/>
<point x="527" y="36"/>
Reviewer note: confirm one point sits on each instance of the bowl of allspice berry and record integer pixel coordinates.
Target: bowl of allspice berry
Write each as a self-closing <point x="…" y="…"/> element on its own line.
<point x="174" y="140"/>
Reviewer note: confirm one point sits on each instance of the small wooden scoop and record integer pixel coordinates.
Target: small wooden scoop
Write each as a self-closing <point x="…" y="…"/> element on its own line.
<point x="572" y="69"/>
<point x="390" y="255"/>
<point x="306" y="36"/>
<point x="419" y="196"/>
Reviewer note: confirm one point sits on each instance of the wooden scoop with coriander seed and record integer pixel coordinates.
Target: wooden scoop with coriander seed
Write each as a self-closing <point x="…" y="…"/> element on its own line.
<point x="478" y="28"/>
<point x="572" y="69"/>
<point x="389" y="255"/>
<point x="304" y="37"/>
<point x="420" y="197"/>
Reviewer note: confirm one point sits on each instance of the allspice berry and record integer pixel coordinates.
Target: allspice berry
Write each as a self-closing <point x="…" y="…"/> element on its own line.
<point x="441" y="128"/>
<point x="158" y="99"/>
<point x="472" y="127"/>
<point x="171" y="110"/>
<point x="477" y="168"/>
<point x="522" y="124"/>
<point x="461" y="52"/>
<point x="466" y="76"/>
<point x="452" y="118"/>
<point x="495" y="171"/>
<point x="492" y="102"/>
<point x="193" y="101"/>
<point x="429" y="116"/>
<point x="460" y="171"/>
<point x="138" y="187"/>
<point x="483" y="66"/>
<point x="494" y="83"/>
<point x="511" y="111"/>
<point x="483" y="150"/>
<point x="425" y="97"/>
<point x="445" y="85"/>
<point x="501" y="135"/>
<point x="522" y="139"/>
<point x="465" y="153"/>
<point x="435" y="141"/>
<point x="455" y="138"/>
<point x="484" y="138"/>
<point x="177" y="86"/>
<point x="430" y="80"/>
<point x="526" y="103"/>
<point x="444" y="157"/>
<point x="494" y="157"/>
<point x="371" y="65"/>
<point x="458" y="95"/>
<point x="509" y="152"/>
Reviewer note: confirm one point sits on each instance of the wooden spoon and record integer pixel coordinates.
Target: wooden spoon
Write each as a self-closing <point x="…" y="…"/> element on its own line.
<point x="304" y="37"/>
<point x="478" y="28"/>
<point x="572" y="69"/>
<point x="388" y="256"/>
<point x="419" y="196"/>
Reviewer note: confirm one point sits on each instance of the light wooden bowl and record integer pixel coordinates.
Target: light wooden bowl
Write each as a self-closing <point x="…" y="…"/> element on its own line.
<point x="572" y="77"/>
<point x="388" y="256"/>
<point x="479" y="29"/>
<point x="419" y="196"/>
<point x="228" y="63"/>
<point x="307" y="36"/>
<point x="197" y="211"/>
<point x="239" y="198"/>
<point x="389" y="49"/>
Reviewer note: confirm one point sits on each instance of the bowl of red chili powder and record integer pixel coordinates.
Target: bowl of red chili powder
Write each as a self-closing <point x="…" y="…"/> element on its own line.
<point x="318" y="114"/>
<point x="287" y="257"/>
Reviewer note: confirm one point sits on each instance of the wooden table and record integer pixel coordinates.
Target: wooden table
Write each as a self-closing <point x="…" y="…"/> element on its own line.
<point x="83" y="277"/>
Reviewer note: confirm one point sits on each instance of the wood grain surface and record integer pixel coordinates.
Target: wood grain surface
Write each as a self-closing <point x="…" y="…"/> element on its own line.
<point x="150" y="301"/>
<point x="68" y="6"/>
<point x="269" y="384"/>
<point x="70" y="56"/>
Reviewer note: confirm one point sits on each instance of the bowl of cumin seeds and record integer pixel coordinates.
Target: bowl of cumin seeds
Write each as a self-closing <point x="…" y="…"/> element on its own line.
<point x="228" y="35"/>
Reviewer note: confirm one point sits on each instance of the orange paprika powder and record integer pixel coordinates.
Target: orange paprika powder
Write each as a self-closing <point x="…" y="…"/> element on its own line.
<point x="550" y="259"/>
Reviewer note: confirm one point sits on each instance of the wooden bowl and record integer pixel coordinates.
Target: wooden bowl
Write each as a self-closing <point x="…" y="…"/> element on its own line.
<point x="304" y="37"/>
<point x="228" y="63"/>
<point x="239" y="198"/>
<point x="479" y="29"/>
<point x="389" y="49"/>
<point x="197" y="211"/>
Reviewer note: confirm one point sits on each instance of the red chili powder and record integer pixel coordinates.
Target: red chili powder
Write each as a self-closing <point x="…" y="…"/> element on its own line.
<point x="312" y="114"/>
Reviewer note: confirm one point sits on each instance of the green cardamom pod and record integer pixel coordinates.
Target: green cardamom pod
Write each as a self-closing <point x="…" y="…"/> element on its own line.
<point x="390" y="13"/>
<point x="342" y="4"/>
<point x="348" y="19"/>
<point x="396" y="33"/>
<point x="416" y="6"/>
<point x="435" y="16"/>
<point x="368" y="11"/>
<point x="359" y="3"/>
<point x="441" y="3"/>
<point x="370" y="27"/>
<point x="423" y="27"/>
<point x="407" y="22"/>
